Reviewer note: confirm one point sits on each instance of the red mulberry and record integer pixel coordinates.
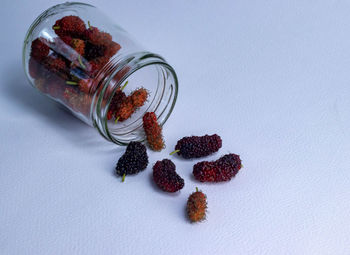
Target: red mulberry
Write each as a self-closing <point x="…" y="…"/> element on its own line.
<point x="220" y="170"/>
<point x="78" y="45"/>
<point x="116" y="102"/>
<point x="133" y="161"/>
<point x="165" y="176"/>
<point x="85" y="85"/>
<point x="139" y="97"/>
<point x="112" y="48"/>
<point x="96" y="65"/>
<point x="95" y="36"/>
<point x="196" y="206"/>
<point x="198" y="146"/>
<point x="39" y="49"/>
<point x="125" y="110"/>
<point x="65" y="38"/>
<point x="69" y="25"/>
<point x="153" y="131"/>
<point x="34" y="68"/>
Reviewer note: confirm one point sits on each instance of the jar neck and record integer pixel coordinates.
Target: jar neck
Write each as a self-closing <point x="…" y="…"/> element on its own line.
<point x="158" y="75"/>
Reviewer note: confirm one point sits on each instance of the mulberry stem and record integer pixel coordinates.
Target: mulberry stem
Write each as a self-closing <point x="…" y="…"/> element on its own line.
<point x="123" y="178"/>
<point x="175" y="151"/>
<point x="197" y="189"/>
<point x="56" y="27"/>
<point x="81" y="62"/>
<point x="71" y="83"/>
<point x="126" y="83"/>
<point x="116" y="120"/>
<point x="89" y="24"/>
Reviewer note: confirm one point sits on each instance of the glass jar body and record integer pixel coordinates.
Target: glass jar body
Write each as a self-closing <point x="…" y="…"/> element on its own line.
<point x="78" y="57"/>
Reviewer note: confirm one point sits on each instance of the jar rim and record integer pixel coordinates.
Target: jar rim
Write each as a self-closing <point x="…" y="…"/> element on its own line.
<point x="136" y="61"/>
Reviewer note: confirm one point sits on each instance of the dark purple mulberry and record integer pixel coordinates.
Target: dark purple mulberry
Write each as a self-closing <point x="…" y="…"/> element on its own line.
<point x="133" y="161"/>
<point x="93" y="51"/>
<point x="198" y="146"/>
<point x="220" y="170"/>
<point x="165" y="176"/>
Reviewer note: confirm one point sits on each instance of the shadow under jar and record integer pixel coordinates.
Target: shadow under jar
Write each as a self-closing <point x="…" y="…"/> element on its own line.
<point x="78" y="57"/>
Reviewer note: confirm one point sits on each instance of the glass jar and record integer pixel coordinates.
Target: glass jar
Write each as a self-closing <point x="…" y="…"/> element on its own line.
<point x="78" y="57"/>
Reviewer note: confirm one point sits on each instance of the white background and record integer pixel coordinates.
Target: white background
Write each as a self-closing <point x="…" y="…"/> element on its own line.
<point x="271" y="77"/>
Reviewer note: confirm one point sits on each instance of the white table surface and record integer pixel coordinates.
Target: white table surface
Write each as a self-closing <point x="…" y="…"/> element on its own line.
<point x="271" y="77"/>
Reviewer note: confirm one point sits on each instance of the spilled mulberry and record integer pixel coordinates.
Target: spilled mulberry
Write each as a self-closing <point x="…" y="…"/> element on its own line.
<point x="198" y="146"/>
<point x="153" y="131"/>
<point x="165" y="176"/>
<point x="220" y="170"/>
<point x="133" y="161"/>
<point x="196" y="206"/>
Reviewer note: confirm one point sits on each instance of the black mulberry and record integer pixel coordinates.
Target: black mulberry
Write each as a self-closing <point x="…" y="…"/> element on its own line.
<point x="133" y="161"/>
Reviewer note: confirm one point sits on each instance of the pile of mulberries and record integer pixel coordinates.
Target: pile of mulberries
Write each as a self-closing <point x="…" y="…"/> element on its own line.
<point x="165" y="176"/>
<point x="220" y="170"/>
<point x="74" y="57"/>
<point x="198" y="146"/>
<point x="133" y="161"/>
<point x="196" y="206"/>
<point x="153" y="131"/>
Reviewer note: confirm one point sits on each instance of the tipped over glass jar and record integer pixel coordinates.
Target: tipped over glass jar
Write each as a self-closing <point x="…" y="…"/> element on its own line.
<point x="78" y="57"/>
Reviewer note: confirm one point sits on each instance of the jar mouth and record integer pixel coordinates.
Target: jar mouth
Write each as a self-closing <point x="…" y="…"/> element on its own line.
<point x="140" y="70"/>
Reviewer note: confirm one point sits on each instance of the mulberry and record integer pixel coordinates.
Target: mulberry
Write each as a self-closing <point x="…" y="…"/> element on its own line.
<point x="114" y="106"/>
<point x="198" y="146"/>
<point x="133" y="161"/>
<point x="54" y="86"/>
<point x="153" y="131"/>
<point x="34" y="68"/>
<point x="69" y="25"/>
<point x="220" y="170"/>
<point x="125" y="110"/>
<point x="139" y="97"/>
<point x="130" y="104"/>
<point x="96" y="65"/>
<point x="39" y="49"/>
<point x="196" y="206"/>
<point x="78" y="45"/>
<point x="65" y="38"/>
<point x="165" y="176"/>
<point x="95" y="36"/>
<point x="112" y="48"/>
<point x="85" y="85"/>
<point x="93" y="51"/>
